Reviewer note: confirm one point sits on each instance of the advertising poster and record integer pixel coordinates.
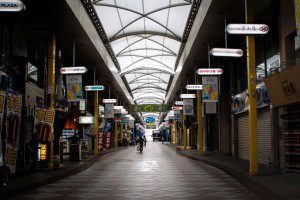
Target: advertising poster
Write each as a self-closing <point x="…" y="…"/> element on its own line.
<point x="74" y="87"/>
<point x="188" y="107"/>
<point x="177" y="115"/>
<point x="43" y="124"/>
<point x="210" y="90"/>
<point x="2" y="102"/>
<point x="117" y="115"/>
<point x="13" y="122"/>
<point x="109" y="110"/>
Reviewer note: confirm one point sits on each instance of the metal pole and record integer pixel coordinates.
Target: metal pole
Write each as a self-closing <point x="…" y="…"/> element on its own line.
<point x="184" y="131"/>
<point x="252" y="92"/>
<point x="96" y="115"/>
<point x="51" y="89"/>
<point x="74" y="52"/>
<point x="208" y="54"/>
<point x="199" y="112"/>
<point x="225" y="21"/>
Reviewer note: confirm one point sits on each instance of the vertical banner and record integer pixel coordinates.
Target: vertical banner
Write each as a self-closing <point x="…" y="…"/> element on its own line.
<point x="188" y="107"/>
<point x="117" y="115"/>
<point x="100" y="140"/>
<point x="109" y="110"/>
<point x="210" y="92"/>
<point x="2" y="102"/>
<point x="177" y="115"/>
<point x="74" y="87"/>
<point x="43" y="124"/>
<point x="13" y="123"/>
<point x="297" y="15"/>
<point x="123" y="119"/>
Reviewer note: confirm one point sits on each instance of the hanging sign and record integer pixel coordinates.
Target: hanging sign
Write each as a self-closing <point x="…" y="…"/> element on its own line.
<point x="11" y="6"/>
<point x="82" y="105"/>
<point x="86" y="119"/>
<point x="100" y="140"/>
<point x="225" y="52"/>
<point x="43" y="124"/>
<point x="188" y="107"/>
<point x="73" y="70"/>
<point x="94" y="88"/>
<point x="193" y="87"/>
<point x="149" y="108"/>
<point x="247" y="29"/>
<point x="2" y="102"/>
<point x="13" y="123"/>
<point x="177" y="115"/>
<point x="109" y="100"/>
<point x="109" y="110"/>
<point x="123" y="119"/>
<point x="42" y="152"/>
<point x="74" y="87"/>
<point x="210" y="90"/>
<point x="209" y="71"/>
<point x="117" y="115"/>
<point x="179" y="103"/>
<point x="187" y="96"/>
<point x="177" y="108"/>
<point x="118" y="107"/>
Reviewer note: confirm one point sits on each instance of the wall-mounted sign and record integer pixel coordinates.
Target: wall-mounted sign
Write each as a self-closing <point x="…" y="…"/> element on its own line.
<point x="187" y="96"/>
<point x="73" y="70"/>
<point x="209" y="71"/>
<point x="193" y="87"/>
<point x="74" y="87"/>
<point x="247" y="29"/>
<point x="225" y="52"/>
<point x="94" y="88"/>
<point x="149" y="108"/>
<point x="177" y="108"/>
<point x="118" y="107"/>
<point x="109" y="110"/>
<point x="188" y="107"/>
<point x="179" y="103"/>
<point x="86" y="119"/>
<point x="11" y="6"/>
<point x="109" y="100"/>
<point x="82" y="105"/>
<point x="210" y="92"/>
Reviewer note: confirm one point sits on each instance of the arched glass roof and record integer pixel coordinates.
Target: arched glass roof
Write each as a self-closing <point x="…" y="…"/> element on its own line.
<point x="145" y="36"/>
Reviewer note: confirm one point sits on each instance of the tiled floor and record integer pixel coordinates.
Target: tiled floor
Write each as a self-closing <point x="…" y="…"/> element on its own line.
<point x="157" y="173"/>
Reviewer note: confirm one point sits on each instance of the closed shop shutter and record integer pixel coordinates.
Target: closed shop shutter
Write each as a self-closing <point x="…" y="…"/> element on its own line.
<point x="264" y="135"/>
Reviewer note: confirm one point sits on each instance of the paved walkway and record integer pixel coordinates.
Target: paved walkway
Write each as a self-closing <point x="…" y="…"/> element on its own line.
<point x="157" y="173"/>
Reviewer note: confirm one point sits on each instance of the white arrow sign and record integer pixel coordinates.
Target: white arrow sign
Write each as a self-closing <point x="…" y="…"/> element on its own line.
<point x="187" y="96"/>
<point x="247" y="29"/>
<point x="94" y="88"/>
<point x="209" y="71"/>
<point x="73" y="70"/>
<point x="225" y="52"/>
<point x="109" y="100"/>
<point x="194" y="87"/>
<point x="11" y="6"/>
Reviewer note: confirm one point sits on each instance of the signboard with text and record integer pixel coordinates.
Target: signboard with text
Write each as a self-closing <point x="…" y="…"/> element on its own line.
<point x="149" y="108"/>
<point x="210" y="92"/>
<point x="13" y="123"/>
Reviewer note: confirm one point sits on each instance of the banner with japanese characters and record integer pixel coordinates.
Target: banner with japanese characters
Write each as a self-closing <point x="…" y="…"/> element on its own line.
<point x="188" y="108"/>
<point x="43" y="124"/>
<point x="109" y="110"/>
<point x="74" y="87"/>
<point x="2" y="102"/>
<point x="13" y="123"/>
<point x="210" y="91"/>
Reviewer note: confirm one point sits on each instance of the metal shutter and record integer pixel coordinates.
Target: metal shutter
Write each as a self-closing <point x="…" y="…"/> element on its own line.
<point x="264" y="135"/>
<point x="243" y="136"/>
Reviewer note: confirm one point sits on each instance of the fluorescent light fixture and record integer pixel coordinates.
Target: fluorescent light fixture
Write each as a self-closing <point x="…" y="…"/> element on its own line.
<point x="209" y="71"/>
<point x="179" y="103"/>
<point x="187" y="96"/>
<point x="247" y="29"/>
<point x="194" y="87"/>
<point x="225" y="52"/>
<point x="73" y="70"/>
<point x="11" y="6"/>
<point x="94" y="88"/>
<point x="118" y="107"/>
<point x="86" y="119"/>
<point x="109" y="100"/>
